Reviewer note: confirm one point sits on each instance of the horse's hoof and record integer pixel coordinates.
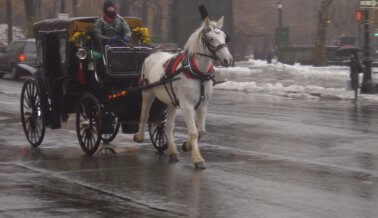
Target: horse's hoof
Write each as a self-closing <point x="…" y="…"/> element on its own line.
<point x="184" y="148"/>
<point x="137" y="139"/>
<point x="200" y="166"/>
<point x="173" y="158"/>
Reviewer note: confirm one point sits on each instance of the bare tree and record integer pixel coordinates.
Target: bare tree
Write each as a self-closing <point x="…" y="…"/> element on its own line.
<point x="30" y="11"/>
<point x="9" y="20"/>
<point x="125" y="6"/>
<point x="320" y="41"/>
<point x="145" y="12"/>
<point x="63" y="6"/>
<point x="75" y="8"/>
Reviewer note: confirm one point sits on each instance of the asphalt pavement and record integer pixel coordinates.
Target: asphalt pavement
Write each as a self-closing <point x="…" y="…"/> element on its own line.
<point x="267" y="156"/>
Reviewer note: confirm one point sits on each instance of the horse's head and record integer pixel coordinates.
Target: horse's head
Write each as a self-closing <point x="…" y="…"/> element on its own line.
<point x="215" y="40"/>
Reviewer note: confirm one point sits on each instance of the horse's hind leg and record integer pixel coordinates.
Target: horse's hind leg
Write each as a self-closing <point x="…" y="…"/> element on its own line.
<point x="148" y="99"/>
<point x="170" y="124"/>
<point x="188" y="114"/>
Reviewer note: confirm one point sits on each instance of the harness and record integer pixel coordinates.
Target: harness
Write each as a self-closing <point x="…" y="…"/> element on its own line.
<point x="213" y="49"/>
<point x="190" y="70"/>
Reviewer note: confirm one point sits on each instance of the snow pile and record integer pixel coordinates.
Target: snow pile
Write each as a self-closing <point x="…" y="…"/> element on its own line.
<point x="17" y="33"/>
<point x="293" y="81"/>
<point x="306" y="71"/>
<point x="244" y="71"/>
<point x="293" y="91"/>
<point x="233" y="69"/>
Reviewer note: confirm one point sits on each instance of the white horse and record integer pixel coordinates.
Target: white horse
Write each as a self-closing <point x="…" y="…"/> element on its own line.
<point x="206" y="43"/>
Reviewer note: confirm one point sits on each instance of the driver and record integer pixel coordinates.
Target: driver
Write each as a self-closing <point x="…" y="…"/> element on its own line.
<point x="111" y="28"/>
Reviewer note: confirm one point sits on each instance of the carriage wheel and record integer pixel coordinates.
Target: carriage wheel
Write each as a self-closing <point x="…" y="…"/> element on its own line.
<point x="109" y="137"/>
<point x="158" y="133"/>
<point x="88" y="124"/>
<point x="32" y="117"/>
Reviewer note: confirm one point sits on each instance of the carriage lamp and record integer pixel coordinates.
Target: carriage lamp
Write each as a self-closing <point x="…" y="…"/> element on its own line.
<point x="82" y="54"/>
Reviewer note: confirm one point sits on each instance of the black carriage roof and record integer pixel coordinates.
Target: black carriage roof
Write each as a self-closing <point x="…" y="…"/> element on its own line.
<point x="73" y="24"/>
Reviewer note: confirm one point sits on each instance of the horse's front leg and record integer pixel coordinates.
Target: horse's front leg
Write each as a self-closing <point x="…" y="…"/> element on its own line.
<point x="201" y="119"/>
<point x="170" y="124"/>
<point x="148" y="99"/>
<point x="188" y="114"/>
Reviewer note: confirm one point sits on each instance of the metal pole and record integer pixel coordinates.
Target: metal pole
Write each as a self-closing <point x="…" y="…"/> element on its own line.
<point x="280" y="14"/>
<point x="367" y="86"/>
<point x="9" y="21"/>
<point x="359" y="34"/>
<point x="358" y="28"/>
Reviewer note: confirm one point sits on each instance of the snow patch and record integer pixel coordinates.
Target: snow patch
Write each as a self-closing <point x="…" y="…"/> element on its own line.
<point x="17" y="34"/>
<point x="293" y="91"/>
<point x="306" y="71"/>
<point x="242" y="71"/>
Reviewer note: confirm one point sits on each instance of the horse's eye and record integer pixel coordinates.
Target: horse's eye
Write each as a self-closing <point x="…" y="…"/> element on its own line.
<point x="210" y="38"/>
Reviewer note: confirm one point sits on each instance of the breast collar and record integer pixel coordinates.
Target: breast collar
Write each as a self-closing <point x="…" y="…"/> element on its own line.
<point x="189" y="67"/>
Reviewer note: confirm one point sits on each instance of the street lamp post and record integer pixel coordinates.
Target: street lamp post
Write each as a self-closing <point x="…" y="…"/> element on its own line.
<point x="279" y="7"/>
<point x="367" y="86"/>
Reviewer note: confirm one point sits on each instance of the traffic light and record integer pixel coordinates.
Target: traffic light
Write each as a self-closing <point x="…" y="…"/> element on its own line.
<point x="358" y="15"/>
<point x="376" y="34"/>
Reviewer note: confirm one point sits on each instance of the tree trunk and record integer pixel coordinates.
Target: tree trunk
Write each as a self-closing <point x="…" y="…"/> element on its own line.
<point x="174" y="33"/>
<point x="62" y="6"/>
<point x="9" y="21"/>
<point x="320" y="41"/>
<point x="145" y="12"/>
<point x="29" y="9"/>
<point x="38" y="8"/>
<point x="75" y="7"/>
<point x="125" y="6"/>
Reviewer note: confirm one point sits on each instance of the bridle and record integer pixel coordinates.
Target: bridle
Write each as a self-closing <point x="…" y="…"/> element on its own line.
<point x="207" y="43"/>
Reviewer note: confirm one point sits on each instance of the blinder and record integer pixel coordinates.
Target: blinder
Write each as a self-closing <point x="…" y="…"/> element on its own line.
<point x="214" y="49"/>
<point x="228" y="38"/>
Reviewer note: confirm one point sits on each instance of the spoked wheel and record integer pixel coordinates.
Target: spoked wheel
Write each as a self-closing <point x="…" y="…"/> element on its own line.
<point x="110" y="127"/>
<point x="158" y="133"/>
<point x="31" y="113"/>
<point x="88" y="124"/>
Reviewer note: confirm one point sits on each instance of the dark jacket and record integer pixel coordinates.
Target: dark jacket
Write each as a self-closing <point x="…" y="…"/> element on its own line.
<point x="118" y="27"/>
<point x="355" y="69"/>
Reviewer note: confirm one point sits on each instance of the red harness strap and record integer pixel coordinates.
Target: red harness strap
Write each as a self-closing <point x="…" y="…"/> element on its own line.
<point x="195" y="65"/>
<point x="191" y="71"/>
<point x="178" y="60"/>
<point x="174" y="65"/>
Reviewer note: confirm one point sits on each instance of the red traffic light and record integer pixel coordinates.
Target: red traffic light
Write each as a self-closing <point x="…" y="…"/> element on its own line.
<point x="358" y="15"/>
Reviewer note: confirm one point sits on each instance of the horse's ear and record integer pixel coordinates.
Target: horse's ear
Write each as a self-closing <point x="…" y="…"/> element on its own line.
<point x="207" y="22"/>
<point x="220" y="22"/>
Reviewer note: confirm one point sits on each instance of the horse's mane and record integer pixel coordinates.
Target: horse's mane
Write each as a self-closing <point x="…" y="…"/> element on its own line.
<point x="193" y="45"/>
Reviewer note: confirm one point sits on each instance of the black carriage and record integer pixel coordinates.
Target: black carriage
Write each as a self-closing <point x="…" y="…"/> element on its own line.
<point x="76" y="74"/>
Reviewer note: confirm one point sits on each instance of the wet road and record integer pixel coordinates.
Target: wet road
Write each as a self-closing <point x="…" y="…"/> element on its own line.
<point x="267" y="156"/>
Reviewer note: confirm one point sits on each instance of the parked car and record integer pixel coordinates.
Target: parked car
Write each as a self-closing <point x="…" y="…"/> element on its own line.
<point x="17" y="52"/>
